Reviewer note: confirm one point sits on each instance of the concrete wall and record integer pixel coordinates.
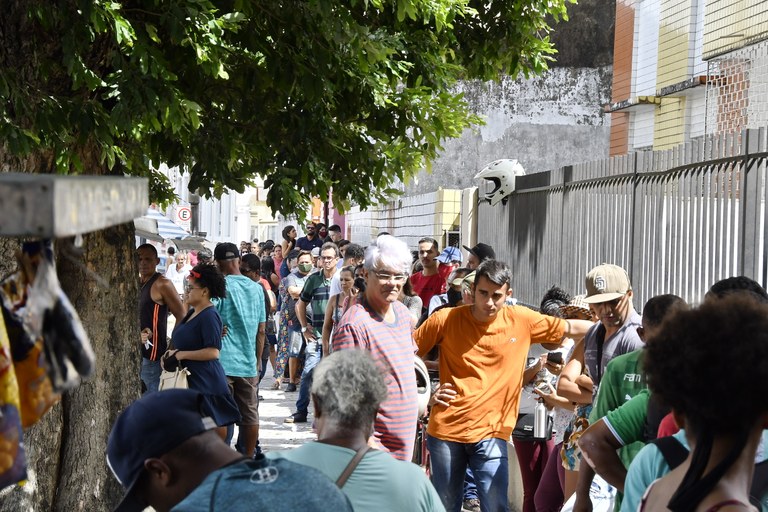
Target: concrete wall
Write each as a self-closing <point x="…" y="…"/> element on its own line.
<point x="544" y="122"/>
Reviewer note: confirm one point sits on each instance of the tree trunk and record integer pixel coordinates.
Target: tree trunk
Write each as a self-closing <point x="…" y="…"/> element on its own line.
<point x="66" y="450"/>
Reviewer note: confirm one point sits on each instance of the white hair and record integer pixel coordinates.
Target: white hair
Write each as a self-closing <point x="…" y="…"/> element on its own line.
<point x="390" y="252"/>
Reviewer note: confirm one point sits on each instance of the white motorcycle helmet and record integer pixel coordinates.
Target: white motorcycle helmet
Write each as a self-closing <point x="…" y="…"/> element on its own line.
<point x="502" y="173"/>
<point x="423" y="385"/>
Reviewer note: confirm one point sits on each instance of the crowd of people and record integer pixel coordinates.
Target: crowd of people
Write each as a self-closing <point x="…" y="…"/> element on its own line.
<point x="603" y="406"/>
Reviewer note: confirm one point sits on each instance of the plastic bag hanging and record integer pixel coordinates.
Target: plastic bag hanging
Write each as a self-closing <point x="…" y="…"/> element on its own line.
<point x="13" y="462"/>
<point x="66" y="345"/>
<point x="36" y="395"/>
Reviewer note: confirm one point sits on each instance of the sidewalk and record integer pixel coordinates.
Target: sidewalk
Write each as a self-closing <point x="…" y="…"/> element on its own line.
<point x="273" y="409"/>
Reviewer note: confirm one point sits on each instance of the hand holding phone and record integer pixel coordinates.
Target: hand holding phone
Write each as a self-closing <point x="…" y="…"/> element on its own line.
<point x="555" y="357"/>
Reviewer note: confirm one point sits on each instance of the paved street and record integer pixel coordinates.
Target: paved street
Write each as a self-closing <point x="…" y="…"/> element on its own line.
<point x="276" y="406"/>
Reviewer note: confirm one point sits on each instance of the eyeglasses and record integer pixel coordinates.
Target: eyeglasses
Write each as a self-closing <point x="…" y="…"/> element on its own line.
<point x="328" y="258"/>
<point x="394" y="278"/>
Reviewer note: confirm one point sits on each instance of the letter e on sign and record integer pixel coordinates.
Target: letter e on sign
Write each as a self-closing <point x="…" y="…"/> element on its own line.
<point x="184" y="214"/>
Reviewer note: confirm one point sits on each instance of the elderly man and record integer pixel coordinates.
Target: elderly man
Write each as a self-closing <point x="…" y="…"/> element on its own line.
<point x="347" y="390"/>
<point x="165" y="452"/>
<point x="381" y="324"/>
<point x="483" y="350"/>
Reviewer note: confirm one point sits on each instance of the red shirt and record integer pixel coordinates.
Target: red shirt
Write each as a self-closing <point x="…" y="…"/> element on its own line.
<point x="427" y="287"/>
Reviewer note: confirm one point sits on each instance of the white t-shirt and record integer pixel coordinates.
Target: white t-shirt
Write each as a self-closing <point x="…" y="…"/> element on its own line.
<point x="177" y="277"/>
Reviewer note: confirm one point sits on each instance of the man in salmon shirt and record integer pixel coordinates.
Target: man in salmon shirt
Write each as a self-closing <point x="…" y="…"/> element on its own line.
<point x="483" y="350"/>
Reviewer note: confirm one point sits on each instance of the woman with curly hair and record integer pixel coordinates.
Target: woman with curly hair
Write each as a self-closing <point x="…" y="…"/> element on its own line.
<point x="197" y="341"/>
<point x="695" y="364"/>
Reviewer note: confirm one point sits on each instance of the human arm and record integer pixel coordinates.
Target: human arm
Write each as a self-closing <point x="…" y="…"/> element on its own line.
<point x="530" y="373"/>
<point x="598" y="448"/>
<point x="567" y="385"/>
<point x="203" y="354"/>
<point x="293" y="286"/>
<point x="552" y="399"/>
<point x="272" y="301"/>
<point x="328" y="323"/>
<point x="648" y="465"/>
<point x="443" y="395"/>
<point x="170" y="298"/>
<point x="414" y="308"/>
<point x="301" y="314"/>
<point x="429" y="333"/>
<point x="586" y="474"/>
<point x="576" y="329"/>
<point x="554" y="333"/>
<point x="261" y="339"/>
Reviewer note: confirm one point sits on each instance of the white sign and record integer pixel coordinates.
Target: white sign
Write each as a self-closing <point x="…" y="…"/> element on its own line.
<point x="184" y="213"/>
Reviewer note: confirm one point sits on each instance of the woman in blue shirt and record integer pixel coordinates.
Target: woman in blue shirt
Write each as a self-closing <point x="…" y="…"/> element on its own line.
<point x="196" y="343"/>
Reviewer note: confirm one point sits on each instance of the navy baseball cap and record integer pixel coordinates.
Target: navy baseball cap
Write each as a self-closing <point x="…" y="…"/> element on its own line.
<point x="148" y="428"/>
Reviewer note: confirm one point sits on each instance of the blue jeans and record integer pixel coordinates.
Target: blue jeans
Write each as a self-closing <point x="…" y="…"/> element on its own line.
<point x="310" y="361"/>
<point x="470" y="488"/>
<point x="488" y="461"/>
<point x="150" y="374"/>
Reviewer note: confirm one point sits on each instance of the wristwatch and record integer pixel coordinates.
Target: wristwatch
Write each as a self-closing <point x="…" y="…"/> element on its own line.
<point x="303" y="329"/>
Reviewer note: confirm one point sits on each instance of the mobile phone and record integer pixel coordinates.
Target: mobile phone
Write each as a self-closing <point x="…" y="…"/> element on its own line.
<point x="555" y="357"/>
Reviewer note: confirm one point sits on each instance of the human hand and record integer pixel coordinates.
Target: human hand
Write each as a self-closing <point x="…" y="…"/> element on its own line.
<point x="146" y="336"/>
<point x="169" y="362"/>
<point x="554" y="368"/>
<point x="444" y="394"/>
<point x="582" y="504"/>
<point x="549" y="395"/>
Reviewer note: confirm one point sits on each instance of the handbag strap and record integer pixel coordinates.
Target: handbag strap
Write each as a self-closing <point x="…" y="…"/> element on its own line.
<point x="352" y="465"/>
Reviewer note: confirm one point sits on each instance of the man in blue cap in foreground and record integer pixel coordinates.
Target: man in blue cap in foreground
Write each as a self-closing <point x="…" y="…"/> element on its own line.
<point x="165" y="452"/>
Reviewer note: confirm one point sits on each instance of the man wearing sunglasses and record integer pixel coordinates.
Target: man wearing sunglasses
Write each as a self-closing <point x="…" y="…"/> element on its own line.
<point x="310" y="240"/>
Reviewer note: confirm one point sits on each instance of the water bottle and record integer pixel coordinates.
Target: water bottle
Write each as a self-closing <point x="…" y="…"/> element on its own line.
<point x="540" y="420"/>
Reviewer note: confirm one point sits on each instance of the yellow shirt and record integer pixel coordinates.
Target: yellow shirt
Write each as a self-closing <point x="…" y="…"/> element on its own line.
<point x="485" y="363"/>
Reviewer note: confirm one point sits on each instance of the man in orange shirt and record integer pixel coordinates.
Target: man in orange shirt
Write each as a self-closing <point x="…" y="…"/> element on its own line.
<point x="483" y="350"/>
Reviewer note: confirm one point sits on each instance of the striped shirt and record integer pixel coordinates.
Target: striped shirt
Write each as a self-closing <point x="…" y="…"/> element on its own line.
<point x="316" y="293"/>
<point x="391" y="345"/>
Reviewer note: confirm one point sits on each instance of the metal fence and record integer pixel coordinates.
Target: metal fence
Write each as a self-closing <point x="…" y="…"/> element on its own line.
<point x="677" y="220"/>
<point x="434" y="214"/>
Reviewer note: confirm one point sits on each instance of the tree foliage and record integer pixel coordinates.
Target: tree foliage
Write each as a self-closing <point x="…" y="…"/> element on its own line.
<point x="311" y="95"/>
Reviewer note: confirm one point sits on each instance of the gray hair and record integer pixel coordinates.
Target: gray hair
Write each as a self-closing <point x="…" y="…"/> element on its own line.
<point x="389" y="252"/>
<point x="348" y="387"/>
<point x="330" y="246"/>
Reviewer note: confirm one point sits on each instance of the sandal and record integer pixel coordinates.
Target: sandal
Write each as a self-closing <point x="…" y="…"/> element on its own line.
<point x="276" y="385"/>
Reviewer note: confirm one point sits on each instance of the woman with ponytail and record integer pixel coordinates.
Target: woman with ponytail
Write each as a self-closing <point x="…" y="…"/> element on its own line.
<point x="710" y="365"/>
